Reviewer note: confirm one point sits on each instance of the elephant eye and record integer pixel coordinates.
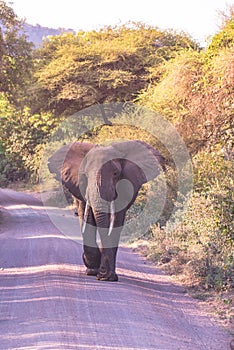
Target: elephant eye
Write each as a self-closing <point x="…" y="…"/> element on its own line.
<point x="116" y="173"/>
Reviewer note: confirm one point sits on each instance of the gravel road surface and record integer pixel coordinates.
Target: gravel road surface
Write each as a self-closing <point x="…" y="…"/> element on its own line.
<point x="47" y="301"/>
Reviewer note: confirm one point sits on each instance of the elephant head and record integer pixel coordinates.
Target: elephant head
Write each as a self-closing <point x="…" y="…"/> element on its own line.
<point x="106" y="181"/>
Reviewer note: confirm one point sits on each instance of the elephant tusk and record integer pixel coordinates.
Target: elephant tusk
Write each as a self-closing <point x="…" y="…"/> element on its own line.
<point x="112" y="217"/>
<point x="83" y="227"/>
<point x="86" y="214"/>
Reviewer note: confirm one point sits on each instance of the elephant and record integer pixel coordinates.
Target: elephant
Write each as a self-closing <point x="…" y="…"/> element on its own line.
<point x="104" y="181"/>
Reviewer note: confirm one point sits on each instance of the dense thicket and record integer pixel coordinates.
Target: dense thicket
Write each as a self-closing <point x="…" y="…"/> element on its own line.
<point x="196" y="93"/>
<point x="15" y="56"/>
<point x="15" y="76"/>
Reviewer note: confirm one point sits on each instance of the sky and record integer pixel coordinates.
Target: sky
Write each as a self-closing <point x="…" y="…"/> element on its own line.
<point x="199" y="18"/>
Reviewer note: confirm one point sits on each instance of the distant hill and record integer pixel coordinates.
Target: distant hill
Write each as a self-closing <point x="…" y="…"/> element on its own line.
<point x="35" y="34"/>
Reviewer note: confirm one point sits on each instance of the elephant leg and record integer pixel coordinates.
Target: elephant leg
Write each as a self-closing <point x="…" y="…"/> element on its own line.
<point x="109" y="249"/>
<point x="77" y="204"/>
<point x="92" y="259"/>
<point x="108" y="265"/>
<point x="91" y="255"/>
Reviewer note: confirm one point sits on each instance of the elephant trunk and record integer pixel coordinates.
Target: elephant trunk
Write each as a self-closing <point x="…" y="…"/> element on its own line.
<point x="103" y="215"/>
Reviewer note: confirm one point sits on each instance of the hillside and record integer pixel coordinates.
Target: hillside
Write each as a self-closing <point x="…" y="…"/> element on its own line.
<point x="35" y="34"/>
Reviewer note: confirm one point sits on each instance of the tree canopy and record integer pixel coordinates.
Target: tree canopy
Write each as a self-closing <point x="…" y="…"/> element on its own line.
<point x="113" y="64"/>
<point x="15" y="55"/>
<point x="196" y="92"/>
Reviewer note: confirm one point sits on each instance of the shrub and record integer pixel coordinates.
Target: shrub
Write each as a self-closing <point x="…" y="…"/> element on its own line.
<point x="201" y="247"/>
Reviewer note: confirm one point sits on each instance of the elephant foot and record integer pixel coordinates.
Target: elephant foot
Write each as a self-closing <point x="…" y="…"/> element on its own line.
<point x="91" y="272"/>
<point x="92" y="260"/>
<point x="113" y="277"/>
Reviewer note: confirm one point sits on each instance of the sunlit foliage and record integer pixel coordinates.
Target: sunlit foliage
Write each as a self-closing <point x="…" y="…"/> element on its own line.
<point x="113" y="64"/>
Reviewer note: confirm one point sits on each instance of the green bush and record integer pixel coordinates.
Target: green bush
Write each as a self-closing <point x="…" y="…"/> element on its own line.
<point x="200" y="248"/>
<point x="21" y="141"/>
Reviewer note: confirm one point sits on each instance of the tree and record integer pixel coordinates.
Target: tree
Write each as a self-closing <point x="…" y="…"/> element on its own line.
<point x="15" y="55"/>
<point x="196" y="94"/>
<point x="225" y="37"/>
<point x="76" y="71"/>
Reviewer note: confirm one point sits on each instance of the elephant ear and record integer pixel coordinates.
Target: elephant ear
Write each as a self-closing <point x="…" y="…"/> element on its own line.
<point x="66" y="162"/>
<point x="148" y="159"/>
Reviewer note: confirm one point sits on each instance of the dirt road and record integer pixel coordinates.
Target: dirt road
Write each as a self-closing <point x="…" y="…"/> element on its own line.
<point x="47" y="301"/>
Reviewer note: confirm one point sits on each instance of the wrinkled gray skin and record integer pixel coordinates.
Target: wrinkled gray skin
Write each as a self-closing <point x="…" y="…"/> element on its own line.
<point x="105" y="182"/>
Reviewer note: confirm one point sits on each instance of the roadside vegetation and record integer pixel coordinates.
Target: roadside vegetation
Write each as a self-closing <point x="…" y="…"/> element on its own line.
<point x="164" y="71"/>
